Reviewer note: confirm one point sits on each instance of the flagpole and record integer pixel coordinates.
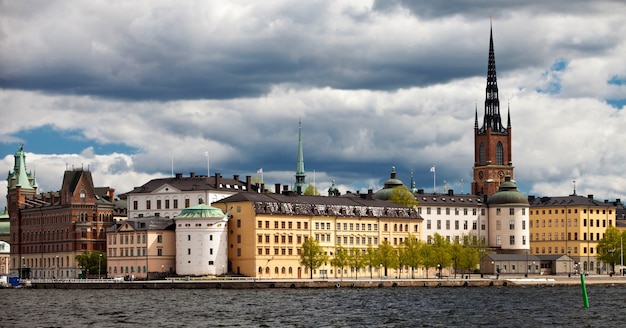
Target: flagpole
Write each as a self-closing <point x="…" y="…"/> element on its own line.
<point x="208" y="168"/>
<point x="432" y="169"/>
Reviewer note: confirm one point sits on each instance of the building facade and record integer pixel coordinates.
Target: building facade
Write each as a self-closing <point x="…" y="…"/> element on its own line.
<point x="453" y="217"/>
<point x="266" y="231"/>
<point x="141" y="248"/>
<point x="167" y="197"/>
<point x="571" y="225"/>
<point x="201" y="241"/>
<point x="49" y="230"/>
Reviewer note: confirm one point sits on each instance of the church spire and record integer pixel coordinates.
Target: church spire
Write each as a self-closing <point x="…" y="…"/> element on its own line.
<point x="300" y="175"/>
<point x="492" y="118"/>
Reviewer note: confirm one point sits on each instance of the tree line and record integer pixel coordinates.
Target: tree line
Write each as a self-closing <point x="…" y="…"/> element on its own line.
<point x="462" y="256"/>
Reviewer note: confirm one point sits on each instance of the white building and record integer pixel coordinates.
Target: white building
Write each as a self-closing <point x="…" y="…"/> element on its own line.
<point x="166" y="197"/>
<point x="452" y="216"/>
<point x="508" y="219"/>
<point x="201" y="241"/>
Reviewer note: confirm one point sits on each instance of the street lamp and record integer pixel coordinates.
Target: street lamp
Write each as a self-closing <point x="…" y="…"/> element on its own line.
<point x="99" y="261"/>
<point x="439" y="269"/>
<point x="611" y="251"/>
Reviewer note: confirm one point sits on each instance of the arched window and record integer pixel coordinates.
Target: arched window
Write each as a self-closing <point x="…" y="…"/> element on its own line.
<point x="267" y="270"/>
<point x="481" y="154"/>
<point x="283" y="270"/>
<point x="260" y="270"/>
<point x="290" y="270"/>
<point x="276" y="270"/>
<point x="499" y="154"/>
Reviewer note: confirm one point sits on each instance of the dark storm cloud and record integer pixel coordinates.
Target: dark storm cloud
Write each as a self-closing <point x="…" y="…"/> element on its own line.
<point x="433" y="9"/>
<point x="153" y="53"/>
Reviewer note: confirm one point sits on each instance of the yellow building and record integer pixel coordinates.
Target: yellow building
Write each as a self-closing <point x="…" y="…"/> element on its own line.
<point x="141" y="248"/>
<point x="266" y="231"/>
<point x="570" y="225"/>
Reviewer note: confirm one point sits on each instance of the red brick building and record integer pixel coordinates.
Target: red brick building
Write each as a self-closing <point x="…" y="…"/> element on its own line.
<point x="49" y="229"/>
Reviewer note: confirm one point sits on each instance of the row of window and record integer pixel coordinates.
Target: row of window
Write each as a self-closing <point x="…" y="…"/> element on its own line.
<point x="128" y="239"/>
<point x="511" y="240"/>
<point x="127" y="251"/>
<point x="569" y="236"/>
<point x="448" y="211"/>
<point x="160" y="203"/>
<point x="511" y="211"/>
<point x="569" y="211"/>
<point x="457" y="225"/>
<point x="286" y="225"/>
<point x="277" y="239"/>
<point x="356" y="240"/>
<point x="569" y="223"/>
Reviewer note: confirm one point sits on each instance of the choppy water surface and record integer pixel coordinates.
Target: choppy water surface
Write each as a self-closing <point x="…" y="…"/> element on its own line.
<point x="341" y="307"/>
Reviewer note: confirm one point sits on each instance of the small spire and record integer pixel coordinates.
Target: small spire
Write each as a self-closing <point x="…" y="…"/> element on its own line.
<point x="508" y="114"/>
<point x="476" y="114"/>
<point x="300" y="174"/>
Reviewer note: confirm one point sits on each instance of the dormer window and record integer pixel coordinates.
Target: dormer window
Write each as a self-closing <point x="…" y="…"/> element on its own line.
<point x="82" y="195"/>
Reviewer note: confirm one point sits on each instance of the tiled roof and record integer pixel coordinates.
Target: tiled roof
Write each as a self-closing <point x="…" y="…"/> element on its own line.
<point x="572" y="200"/>
<point x="293" y="204"/>
<point x="448" y="199"/>
<point x="145" y="223"/>
<point x="194" y="182"/>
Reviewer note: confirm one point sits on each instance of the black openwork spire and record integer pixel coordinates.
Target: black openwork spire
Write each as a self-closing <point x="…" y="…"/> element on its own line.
<point x="492" y="102"/>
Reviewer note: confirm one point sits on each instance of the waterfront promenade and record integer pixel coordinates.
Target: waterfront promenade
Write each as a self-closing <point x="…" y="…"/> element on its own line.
<point x="249" y="283"/>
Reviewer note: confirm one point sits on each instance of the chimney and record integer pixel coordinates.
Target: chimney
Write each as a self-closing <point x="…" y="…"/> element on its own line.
<point x="420" y="191"/>
<point x="236" y="177"/>
<point x="217" y="180"/>
<point x="450" y="192"/>
<point x="262" y="189"/>
<point x="248" y="182"/>
<point x="111" y="194"/>
<point x="192" y="175"/>
<point x="590" y="196"/>
<point x="179" y="175"/>
<point x="277" y="188"/>
<point x="531" y="198"/>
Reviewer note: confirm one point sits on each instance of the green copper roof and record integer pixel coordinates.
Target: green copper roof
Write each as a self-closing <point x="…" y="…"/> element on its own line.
<point x="508" y="194"/>
<point x="201" y="211"/>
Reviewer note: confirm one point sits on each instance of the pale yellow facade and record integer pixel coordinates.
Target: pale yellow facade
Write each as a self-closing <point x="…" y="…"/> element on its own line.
<point x="572" y="226"/>
<point x="267" y="245"/>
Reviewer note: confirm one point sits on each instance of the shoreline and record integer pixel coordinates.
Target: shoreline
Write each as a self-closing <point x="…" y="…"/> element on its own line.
<point x="249" y="283"/>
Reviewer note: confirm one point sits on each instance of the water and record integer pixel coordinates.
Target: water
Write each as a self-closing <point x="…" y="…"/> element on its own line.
<point x="341" y="307"/>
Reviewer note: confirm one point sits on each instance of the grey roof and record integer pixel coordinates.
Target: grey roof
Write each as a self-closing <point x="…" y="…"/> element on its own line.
<point x="144" y="224"/>
<point x="554" y="257"/>
<point x="359" y="205"/>
<point x="449" y="199"/>
<point x="571" y="200"/>
<point x="195" y="182"/>
<point x="513" y="257"/>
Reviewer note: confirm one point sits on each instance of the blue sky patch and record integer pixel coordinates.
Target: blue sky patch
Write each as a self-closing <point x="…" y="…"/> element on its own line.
<point x="552" y="77"/>
<point x="47" y="140"/>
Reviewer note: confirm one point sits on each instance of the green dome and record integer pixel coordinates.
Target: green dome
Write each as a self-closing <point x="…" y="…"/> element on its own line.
<point x="392" y="182"/>
<point x="508" y="194"/>
<point x="201" y="211"/>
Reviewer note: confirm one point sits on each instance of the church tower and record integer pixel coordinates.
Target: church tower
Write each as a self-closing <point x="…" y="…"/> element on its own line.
<point x="493" y="159"/>
<point x="300" y="185"/>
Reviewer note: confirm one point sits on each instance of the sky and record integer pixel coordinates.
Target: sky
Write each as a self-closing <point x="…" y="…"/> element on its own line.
<point x="136" y="90"/>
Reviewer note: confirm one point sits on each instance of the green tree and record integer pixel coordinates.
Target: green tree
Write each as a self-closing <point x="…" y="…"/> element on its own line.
<point x="341" y="259"/>
<point x="609" y="247"/>
<point x="357" y="260"/>
<point x="442" y="251"/>
<point x="91" y="262"/>
<point x="429" y="260"/>
<point x="388" y="255"/>
<point x="312" y="255"/>
<point x="372" y="258"/>
<point x="402" y="196"/>
<point x="456" y="255"/>
<point x="412" y="247"/>
<point x="311" y="190"/>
